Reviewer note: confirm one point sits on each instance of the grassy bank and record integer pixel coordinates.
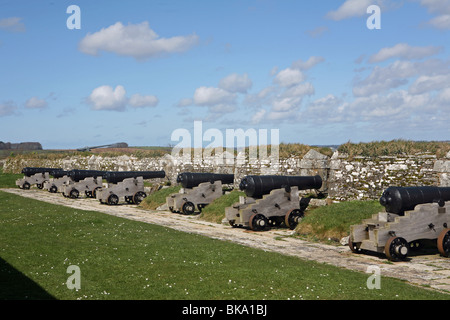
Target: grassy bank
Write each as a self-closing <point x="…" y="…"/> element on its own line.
<point x="215" y="211"/>
<point x="158" y="198"/>
<point x="332" y="222"/>
<point x="124" y="259"/>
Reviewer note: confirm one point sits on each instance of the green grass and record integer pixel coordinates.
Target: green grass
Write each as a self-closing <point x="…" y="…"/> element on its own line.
<point x="158" y="198"/>
<point x="8" y="180"/>
<point x="125" y="259"/>
<point x="215" y="211"/>
<point x="334" y="221"/>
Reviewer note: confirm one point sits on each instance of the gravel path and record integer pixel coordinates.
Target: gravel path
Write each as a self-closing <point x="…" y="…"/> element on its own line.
<point x="428" y="269"/>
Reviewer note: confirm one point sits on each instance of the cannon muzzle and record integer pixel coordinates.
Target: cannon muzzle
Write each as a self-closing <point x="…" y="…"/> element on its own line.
<point x="257" y="186"/>
<point x="400" y="199"/>
<point x="193" y="179"/>
<point x="118" y="176"/>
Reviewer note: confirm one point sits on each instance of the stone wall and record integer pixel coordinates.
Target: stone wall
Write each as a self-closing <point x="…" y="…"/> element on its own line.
<point x="344" y="178"/>
<point x="366" y="178"/>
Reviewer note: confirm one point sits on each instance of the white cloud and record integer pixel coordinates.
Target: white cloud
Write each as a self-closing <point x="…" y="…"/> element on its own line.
<point x="375" y="110"/>
<point x="289" y="77"/>
<point x="36" y="103"/>
<point x="260" y="98"/>
<point x="286" y="105"/>
<point x="210" y="96"/>
<point x="397" y="74"/>
<point x="279" y="101"/>
<point x="139" y="101"/>
<point x="326" y="109"/>
<point x="300" y="90"/>
<point x="444" y="97"/>
<point x="395" y="105"/>
<point x="279" y="115"/>
<point x="7" y="108"/>
<point x="283" y="100"/>
<point x="135" y="40"/>
<point x="367" y="87"/>
<point x="308" y="64"/>
<point x="12" y="24"/>
<point x="405" y="51"/>
<point x="258" y="116"/>
<point x="218" y="100"/>
<point x="419" y="109"/>
<point x="222" y="108"/>
<point x="185" y="102"/>
<point x="349" y="9"/>
<point x="437" y="6"/>
<point x="441" y="22"/>
<point x="442" y="9"/>
<point x="107" y="98"/>
<point x="236" y="83"/>
<point x="430" y="83"/>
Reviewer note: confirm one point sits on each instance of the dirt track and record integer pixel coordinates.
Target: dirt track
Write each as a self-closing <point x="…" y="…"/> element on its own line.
<point x="426" y="269"/>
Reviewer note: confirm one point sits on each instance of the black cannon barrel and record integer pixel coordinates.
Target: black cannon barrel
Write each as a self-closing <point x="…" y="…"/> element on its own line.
<point x="118" y="176"/>
<point x="193" y="179"/>
<point x="257" y="186"/>
<point x="29" y="171"/>
<point x="58" y="173"/>
<point x="78" y="175"/>
<point x="400" y="199"/>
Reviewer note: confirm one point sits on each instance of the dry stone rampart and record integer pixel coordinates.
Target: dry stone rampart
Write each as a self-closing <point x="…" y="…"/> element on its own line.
<point x="344" y="178"/>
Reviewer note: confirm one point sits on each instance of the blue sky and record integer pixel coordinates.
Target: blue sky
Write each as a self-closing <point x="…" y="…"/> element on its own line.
<point x="138" y="70"/>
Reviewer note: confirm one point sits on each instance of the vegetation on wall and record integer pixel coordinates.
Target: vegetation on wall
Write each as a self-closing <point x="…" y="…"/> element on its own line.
<point x="286" y="150"/>
<point x="395" y="148"/>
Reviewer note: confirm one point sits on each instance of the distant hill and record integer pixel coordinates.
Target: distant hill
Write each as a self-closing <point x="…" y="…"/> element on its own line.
<point x="20" y="146"/>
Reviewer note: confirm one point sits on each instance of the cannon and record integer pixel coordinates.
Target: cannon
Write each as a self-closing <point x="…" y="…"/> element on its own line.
<point x="114" y="145"/>
<point x="193" y="179"/>
<point x="78" y="175"/>
<point x="199" y="190"/>
<point x="55" y="184"/>
<point x="30" y="171"/>
<point x="37" y="176"/>
<point x="118" y="176"/>
<point x="257" y="186"/>
<point x="89" y="181"/>
<point x="58" y="173"/>
<point x="126" y="184"/>
<point x="271" y="201"/>
<point x="412" y="216"/>
<point x="400" y="199"/>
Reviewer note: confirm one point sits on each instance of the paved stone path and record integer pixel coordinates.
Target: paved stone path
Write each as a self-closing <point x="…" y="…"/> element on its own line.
<point x="427" y="269"/>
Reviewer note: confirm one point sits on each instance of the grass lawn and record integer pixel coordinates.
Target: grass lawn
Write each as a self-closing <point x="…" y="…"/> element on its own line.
<point x="9" y="180"/>
<point x="124" y="259"/>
